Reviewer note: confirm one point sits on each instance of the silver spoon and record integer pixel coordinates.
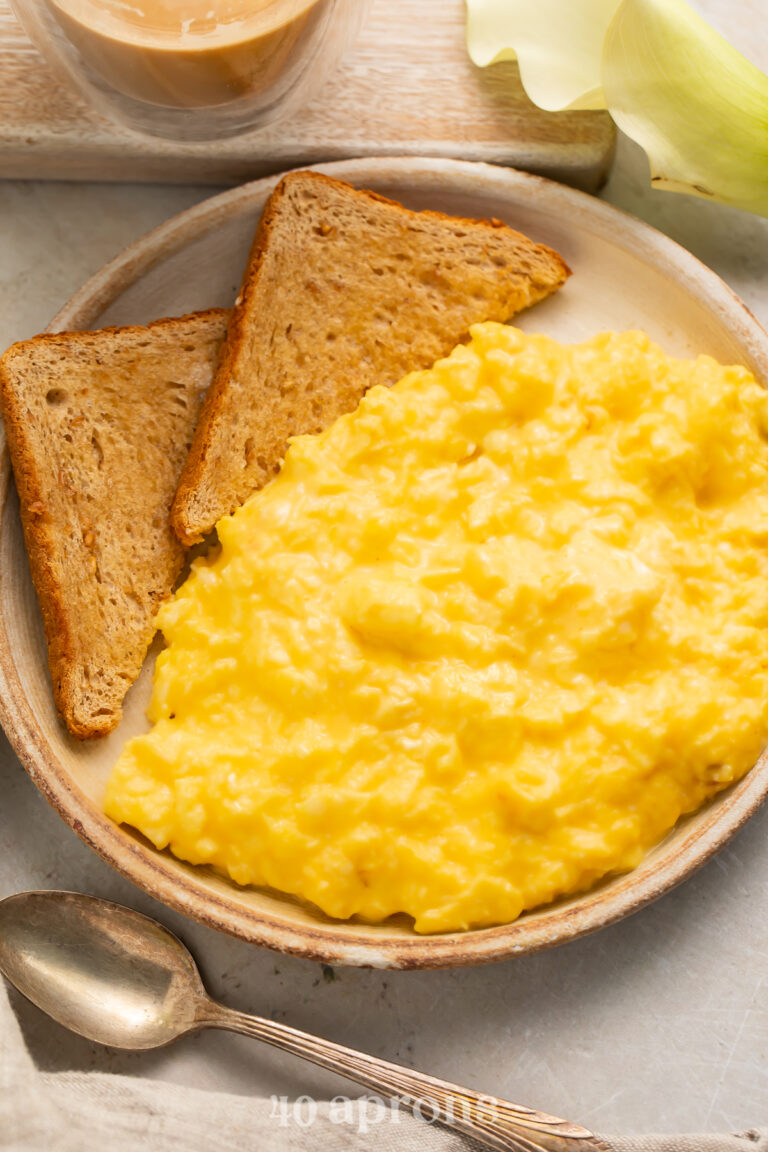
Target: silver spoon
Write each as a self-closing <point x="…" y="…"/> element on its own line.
<point x="121" y="979"/>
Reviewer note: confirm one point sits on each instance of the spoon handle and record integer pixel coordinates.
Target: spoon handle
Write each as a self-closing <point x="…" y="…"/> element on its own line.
<point x="497" y="1123"/>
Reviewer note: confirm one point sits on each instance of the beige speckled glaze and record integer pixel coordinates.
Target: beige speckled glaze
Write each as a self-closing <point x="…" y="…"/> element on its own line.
<point x="625" y="275"/>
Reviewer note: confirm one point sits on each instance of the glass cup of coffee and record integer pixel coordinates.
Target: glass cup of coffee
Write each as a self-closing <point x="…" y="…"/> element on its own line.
<point x="193" y="69"/>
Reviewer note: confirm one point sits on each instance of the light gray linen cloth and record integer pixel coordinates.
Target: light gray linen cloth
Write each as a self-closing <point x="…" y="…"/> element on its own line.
<point x="80" y="1111"/>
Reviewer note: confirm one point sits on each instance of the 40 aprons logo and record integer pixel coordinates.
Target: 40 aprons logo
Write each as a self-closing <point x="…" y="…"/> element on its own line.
<point x="361" y="1113"/>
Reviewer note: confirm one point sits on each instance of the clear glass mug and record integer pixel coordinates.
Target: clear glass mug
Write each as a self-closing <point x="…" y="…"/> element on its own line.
<point x="193" y="69"/>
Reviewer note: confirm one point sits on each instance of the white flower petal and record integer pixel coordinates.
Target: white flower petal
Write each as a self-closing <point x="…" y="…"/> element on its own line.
<point x="694" y="103"/>
<point x="558" y="45"/>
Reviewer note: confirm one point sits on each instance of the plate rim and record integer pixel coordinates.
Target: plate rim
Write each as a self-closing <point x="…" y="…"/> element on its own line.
<point x="153" y="871"/>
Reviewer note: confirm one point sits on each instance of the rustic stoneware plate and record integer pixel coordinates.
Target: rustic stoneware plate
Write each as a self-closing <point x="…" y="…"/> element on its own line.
<point x="625" y="275"/>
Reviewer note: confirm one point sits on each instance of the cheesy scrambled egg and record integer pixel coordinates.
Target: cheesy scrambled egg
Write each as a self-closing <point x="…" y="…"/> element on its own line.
<point x="479" y="644"/>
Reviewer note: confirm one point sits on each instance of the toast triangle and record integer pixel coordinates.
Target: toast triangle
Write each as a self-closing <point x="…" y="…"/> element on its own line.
<point x="343" y="290"/>
<point x="98" y="425"/>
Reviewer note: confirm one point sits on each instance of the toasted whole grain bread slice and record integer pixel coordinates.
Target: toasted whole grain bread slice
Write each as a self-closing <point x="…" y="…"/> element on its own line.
<point x="343" y="290"/>
<point x="98" y="427"/>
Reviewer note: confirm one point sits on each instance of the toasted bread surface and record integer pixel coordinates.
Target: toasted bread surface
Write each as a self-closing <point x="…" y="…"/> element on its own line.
<point x="344" y="289"/>
<point x="98" y="427"/>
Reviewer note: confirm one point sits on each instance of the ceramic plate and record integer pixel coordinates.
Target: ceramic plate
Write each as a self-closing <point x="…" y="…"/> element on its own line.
<point x="625" y="275"/>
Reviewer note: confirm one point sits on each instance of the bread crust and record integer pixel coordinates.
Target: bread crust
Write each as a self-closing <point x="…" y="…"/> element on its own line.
<point x="191" y="529"/>
<point x="42" y="533"/>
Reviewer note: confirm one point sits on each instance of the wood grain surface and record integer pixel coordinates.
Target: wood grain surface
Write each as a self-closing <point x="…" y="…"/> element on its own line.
<point x="407" y="87"/>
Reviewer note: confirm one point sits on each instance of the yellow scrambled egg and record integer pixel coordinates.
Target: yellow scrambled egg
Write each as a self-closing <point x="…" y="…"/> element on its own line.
<point x="479" y="644"/>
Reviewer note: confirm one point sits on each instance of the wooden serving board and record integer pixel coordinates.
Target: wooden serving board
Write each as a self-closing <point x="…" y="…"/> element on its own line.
<point x="408" y="87"/>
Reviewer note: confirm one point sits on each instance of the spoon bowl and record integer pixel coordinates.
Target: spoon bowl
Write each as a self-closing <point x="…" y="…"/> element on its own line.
<point x="121" y="979"/>
<point x="103" y="971"/>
